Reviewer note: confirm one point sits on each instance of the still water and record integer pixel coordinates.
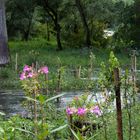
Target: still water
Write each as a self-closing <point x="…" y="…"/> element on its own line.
<point x="10" y="102"/>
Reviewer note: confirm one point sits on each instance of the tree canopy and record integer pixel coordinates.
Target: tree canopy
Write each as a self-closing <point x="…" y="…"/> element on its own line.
<point x="75" y="23"/>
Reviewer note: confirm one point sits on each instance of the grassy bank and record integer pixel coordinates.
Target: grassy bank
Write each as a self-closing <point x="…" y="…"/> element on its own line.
<point x="44" y="53"/>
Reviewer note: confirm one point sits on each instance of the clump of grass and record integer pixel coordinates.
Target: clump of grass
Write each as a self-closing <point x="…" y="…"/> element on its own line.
<point x="9" y="78"/>
<point x="4" y="73"/>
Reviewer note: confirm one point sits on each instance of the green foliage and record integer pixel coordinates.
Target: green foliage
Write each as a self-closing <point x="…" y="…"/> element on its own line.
<point x="129" y="28"/>
<point x="11" y="129"/>
<point x="97" y="34"/>
<point x="4" y="73"/>
<point x="8" y="78"/>
<point x="23" y="12"/>
<point x="74" y="39"/>
<point x="39" y="21"/>
<point x="33" y="57"/>
<point x="106" y="75"/>
<point x="113" y="61"/>
<point x="51" y="122"/>
<point x="71" y="60"/>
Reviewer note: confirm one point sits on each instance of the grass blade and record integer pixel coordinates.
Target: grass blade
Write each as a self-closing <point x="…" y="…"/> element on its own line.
<point x="55" y="97"/>
<point x="75" y="135"/>
<point x="58" y="129"/>
<point x="31" y="99"/>
<point x="23" y="130"/>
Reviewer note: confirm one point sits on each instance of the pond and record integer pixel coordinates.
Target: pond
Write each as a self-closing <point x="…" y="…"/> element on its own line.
<point x="11" y="100"/>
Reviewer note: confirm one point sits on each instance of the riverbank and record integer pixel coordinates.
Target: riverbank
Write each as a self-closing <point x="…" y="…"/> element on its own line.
<point x="73" y="63"/>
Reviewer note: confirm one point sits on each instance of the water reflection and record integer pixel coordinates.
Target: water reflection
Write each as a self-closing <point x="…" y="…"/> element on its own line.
<point x="10" y="102"/>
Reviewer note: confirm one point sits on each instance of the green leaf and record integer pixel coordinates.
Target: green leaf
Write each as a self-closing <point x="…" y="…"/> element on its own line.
<point x="26" y="131"/>
<point x="80" y="136"/>
<point x="75" y="135"/>
<point x="1" y="130"/>
<point x="31" y="99"/>
<point x="91" y="138"/>
<point x="55" y="97"/>
<point x="59" y="129"/>
<point x="41" y="99"/>
<point x="12" y="129"/>
<point x="42" y="135"/>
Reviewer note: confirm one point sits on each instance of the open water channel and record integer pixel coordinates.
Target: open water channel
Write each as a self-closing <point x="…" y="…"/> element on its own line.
<point x="11" y="100"/>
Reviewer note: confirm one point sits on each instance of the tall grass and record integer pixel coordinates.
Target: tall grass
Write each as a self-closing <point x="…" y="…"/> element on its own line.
<point x="45" y="54"/>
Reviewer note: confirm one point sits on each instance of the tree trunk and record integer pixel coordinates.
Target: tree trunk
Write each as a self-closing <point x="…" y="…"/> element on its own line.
<point x="26" y="34"/>
<point x="4" y="53"/>
<point x="10" y="26"/>
<point x="48" y="31"/>
<point x="84" y="21"/>
<point x="58" y="34"/>
<point x="53" y="14"/>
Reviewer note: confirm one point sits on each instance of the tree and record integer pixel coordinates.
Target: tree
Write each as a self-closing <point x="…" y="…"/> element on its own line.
<point x="52" y="9"/>
<point x="135" y="24"/>
<point x="20" y="16"/>
<point x="77" y="23"/>
<point x="129" y="29"/>
<point x="4" y="53"/>
<point x="84" y="21"/>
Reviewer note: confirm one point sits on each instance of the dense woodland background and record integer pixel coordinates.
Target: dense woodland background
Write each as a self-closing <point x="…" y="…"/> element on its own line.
<point x="76" y="23"/>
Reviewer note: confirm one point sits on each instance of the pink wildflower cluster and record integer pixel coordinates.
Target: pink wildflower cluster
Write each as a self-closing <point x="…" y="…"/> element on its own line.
<point x="96" y="110"/>
<point x="71" y="110"/>
<point x="81" y="111"/>
<point x="29" y="72"/>
<point x="43" y="70"/>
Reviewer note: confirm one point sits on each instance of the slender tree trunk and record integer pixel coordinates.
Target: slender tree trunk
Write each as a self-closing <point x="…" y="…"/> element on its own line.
<point x="27" y="32"/>
<point x="53" y="14"/>
<point x="84" y="21"/>
<point x="58" y="34"/>
<point x="4" y="53"/>
<point x="48" y="32"/>
<point x="10" y="28"/>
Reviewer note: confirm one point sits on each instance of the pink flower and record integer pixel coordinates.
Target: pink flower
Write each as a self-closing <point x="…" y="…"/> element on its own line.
<point x="81" y="111"/>
<point x="71" y="110"/>
<point x="27" y="68"/>
<point x="30" y="75"/>
<point x="96" y="110"/>
<point x="27" y="73"/>
<point x="44" y="70"/>
<point x="22" y="76"/>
